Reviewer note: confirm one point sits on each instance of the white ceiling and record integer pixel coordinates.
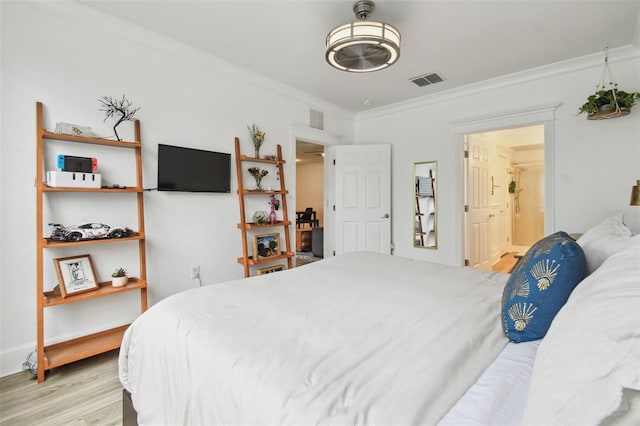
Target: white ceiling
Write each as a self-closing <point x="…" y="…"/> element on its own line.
<point x="464" y="41"/>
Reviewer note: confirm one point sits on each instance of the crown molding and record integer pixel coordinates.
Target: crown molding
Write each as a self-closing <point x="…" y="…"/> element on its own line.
<point x="593" y="60"/>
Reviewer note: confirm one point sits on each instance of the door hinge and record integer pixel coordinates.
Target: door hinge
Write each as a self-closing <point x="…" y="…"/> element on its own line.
<point x="466" y="208"/>
<point x="334" y="252"/>
<point x="334" y="207"/>
<point x="334" y="161"/>
<point x="466" y="153"/>
<point x="466" y="262"/>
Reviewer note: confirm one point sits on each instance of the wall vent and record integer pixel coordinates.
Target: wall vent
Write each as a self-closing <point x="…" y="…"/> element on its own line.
<point x="427" y="79"/>
<point x="316" y="119"/>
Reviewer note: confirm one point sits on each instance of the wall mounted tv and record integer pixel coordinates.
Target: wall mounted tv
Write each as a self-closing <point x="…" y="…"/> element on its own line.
<point x="193" y="170"/>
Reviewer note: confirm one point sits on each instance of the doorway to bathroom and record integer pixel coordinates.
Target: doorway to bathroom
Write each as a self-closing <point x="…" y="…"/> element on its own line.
<point x="505" y="187"/>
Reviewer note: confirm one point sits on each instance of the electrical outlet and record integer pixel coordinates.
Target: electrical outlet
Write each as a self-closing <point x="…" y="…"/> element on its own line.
<point x="195" y="272"/>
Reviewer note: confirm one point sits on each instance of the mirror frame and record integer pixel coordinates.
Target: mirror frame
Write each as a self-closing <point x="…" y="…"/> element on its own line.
<point x="432" y="168"/>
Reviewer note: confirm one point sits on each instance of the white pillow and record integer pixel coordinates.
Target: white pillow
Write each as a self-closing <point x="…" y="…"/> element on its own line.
<point x="590" y="357"/>
<point x="603" y="240"/>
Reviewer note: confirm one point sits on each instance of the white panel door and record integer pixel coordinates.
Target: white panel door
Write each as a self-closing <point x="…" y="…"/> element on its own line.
<point x="479" y="209"/>
<point x="363" y="198"/>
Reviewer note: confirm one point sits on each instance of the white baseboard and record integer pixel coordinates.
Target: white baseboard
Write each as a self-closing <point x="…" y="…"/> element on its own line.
<point x="11" y="361"/>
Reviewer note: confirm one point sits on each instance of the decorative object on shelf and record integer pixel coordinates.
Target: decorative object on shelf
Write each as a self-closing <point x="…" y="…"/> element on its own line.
<point x="119" y="277"/>
<point x="87" y="231"/>
<point x="114" y="108"/>
<point x="74" y="129"/>
<point x="269" y="269"/>
<point x="270" y="157"/>
<point x="75" y="274"/>
<point x="266" y="245"/>
<point x="274" y="203"/>
<point x="260" y="217"/>
<point x="258" y="138"/>
<point x="258" y="174"/>
<point x="363" y="46"/>
<point x="608" y="101"/>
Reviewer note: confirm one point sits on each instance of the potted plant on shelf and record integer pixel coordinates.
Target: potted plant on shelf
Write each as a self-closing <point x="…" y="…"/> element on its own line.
<point x="119" y="277"/>
<point x="609" y="103"/>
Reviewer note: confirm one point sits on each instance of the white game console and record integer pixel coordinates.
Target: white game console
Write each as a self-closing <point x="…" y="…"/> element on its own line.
<point x="74" y="179"/>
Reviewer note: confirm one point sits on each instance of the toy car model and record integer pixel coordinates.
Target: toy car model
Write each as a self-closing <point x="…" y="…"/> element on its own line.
<point x="87" y="231"/>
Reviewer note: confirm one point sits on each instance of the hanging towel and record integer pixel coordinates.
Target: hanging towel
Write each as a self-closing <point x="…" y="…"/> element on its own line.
<point x="425" y="187"/>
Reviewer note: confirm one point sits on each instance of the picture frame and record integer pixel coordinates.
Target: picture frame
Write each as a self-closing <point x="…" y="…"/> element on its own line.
<point x="269" y="270"/>
<point x="75" y="274"/>
<point x="265" y="246"/>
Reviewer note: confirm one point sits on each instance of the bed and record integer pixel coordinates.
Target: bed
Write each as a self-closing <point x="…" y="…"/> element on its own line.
<point x="365" y="338"/>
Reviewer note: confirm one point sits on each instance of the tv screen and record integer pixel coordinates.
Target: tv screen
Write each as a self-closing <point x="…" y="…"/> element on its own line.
<point x="193" y="170"/>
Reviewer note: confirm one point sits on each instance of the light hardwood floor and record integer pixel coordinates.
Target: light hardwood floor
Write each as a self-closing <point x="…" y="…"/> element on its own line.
<point x="86" y="392"/>
<point x="506" y="263"/>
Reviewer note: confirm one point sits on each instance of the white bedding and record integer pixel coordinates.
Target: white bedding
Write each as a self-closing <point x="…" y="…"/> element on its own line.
<point x="500" y="395"/>
<point x="361" y="338"/>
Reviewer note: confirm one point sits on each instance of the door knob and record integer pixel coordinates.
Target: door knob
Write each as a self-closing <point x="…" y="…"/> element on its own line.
<point x="386" y="216"/>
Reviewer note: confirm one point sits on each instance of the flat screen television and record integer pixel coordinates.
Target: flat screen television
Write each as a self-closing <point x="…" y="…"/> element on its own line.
<point x="193" y="170"/>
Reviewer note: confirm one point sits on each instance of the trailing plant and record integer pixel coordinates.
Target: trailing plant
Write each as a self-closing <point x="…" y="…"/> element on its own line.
<point x="612" y="97"/>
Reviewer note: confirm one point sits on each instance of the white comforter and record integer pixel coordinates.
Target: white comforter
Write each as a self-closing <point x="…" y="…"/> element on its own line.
<point x="361" y="338"/>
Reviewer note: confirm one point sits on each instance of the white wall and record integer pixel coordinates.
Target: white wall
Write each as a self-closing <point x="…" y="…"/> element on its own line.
<point x="66" y="57"/>
<point x="596" y="162"/>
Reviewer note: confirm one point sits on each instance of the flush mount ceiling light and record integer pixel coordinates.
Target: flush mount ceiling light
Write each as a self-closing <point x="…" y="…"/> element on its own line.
<point x="363" y="46"/>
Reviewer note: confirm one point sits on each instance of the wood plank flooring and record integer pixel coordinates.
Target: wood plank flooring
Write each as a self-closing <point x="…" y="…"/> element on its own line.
<point x="506" y="262"/>
<point x="86" y="392"/>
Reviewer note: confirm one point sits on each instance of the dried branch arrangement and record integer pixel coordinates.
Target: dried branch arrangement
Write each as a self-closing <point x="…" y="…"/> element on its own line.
<point x="118" y="107"/>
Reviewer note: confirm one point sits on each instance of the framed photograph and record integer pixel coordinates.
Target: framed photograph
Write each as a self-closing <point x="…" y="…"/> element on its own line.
<point x="75" y="274"/>
<point x="269" y="269"/>
<point x="266" y="245"/>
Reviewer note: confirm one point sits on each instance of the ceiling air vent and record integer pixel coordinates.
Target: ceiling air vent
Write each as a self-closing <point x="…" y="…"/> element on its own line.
<point x="316" y="119"/>
<point x="427" y="79"/>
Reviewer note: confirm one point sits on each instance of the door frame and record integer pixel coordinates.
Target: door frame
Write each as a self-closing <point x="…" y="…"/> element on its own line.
<point x="318" y="137"/>
<point x="543" y="115"/>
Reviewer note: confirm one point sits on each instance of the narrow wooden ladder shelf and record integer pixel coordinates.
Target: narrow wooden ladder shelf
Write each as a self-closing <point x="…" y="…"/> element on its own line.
<point x="64" y="352"/>
<point x="249" y="229"/>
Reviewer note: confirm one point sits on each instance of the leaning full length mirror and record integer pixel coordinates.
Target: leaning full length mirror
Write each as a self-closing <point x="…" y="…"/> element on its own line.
<point x="425" y="227"/>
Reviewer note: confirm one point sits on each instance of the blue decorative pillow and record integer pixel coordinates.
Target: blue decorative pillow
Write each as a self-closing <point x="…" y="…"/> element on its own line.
<point x="540" y="285"/>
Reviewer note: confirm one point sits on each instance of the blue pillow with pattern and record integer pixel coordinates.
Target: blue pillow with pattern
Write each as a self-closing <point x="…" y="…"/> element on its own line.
<point x="539" y="286"/>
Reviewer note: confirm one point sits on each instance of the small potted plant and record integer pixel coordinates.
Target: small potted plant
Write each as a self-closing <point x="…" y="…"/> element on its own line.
<point x="609" y="103"/>
<point x="119" y="277"/>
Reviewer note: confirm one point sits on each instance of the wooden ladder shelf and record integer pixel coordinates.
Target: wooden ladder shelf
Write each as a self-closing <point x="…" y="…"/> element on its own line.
<point x="248" y="228"/>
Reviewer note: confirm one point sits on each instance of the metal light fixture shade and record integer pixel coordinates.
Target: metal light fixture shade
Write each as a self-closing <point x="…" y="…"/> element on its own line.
<point x="363" y="46"/>
<point x="635" y="195"/>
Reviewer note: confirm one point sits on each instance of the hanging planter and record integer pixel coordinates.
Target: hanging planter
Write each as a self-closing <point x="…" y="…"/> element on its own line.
<point x="608" y="101"/>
